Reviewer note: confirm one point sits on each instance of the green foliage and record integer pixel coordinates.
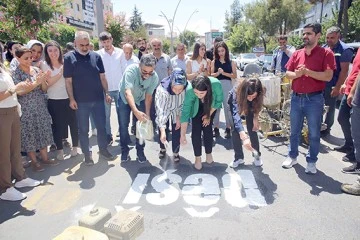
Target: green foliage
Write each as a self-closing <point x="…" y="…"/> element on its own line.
<point x="188" y="38"/>
<point x="95" y="41"/>
<point x="132" y="36"/>
<point x="271" y="44"/>
<point x="354" y="22"/>
<point x="135" y="20"/>
<point x="24" y="19"/>
<point x="296" y="41"/>
<point x="244" y="36"/>
<point x="116" y="26"/>
<point x="233" y="18"/>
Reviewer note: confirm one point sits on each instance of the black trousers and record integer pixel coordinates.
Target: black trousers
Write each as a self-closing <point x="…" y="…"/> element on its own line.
<point x="207" y="132"/>
<point x="62" y="117"/>
<point x="175" y="142"/>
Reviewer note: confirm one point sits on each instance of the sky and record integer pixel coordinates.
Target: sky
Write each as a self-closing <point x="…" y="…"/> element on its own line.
<point x="210" y="15"/>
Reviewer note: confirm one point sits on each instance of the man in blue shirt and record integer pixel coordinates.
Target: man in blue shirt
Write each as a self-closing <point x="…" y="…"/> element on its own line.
<point x="86" y="84"/>
<point x="343" y="56"/>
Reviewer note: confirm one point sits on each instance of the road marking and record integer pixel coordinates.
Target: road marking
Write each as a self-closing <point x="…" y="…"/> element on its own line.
<point x="206" y="214"/>
<point x="253" y="194"/>
<point x="232" y="190"/>
<point x="135" y="192"/>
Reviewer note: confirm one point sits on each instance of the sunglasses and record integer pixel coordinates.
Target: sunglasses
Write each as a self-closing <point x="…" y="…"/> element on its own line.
<point x="144" y="73"/>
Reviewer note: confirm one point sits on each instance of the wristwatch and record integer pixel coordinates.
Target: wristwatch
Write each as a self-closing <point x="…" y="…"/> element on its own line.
<point x="11" y="91"/>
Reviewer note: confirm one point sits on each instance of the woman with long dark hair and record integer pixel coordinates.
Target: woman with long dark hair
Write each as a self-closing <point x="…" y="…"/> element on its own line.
<point x="58" y="100"/>
<point x="36" y="133"/>
<point x="203" y="96"/>
<point x="11" y="61"/>
<point x="198" y="64"/>
<point x="225" y="70"/>
<point x="246" y="99"/>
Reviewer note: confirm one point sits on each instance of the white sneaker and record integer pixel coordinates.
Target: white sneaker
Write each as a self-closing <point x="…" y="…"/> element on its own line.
<point x="60" y="155"/>
<point x="27" y="182"/>
<point x="258" y="162"/>
<point x="74" y="152"/>
<point x="94" y="132"/>
<point x="311" y="168"/>
<point x="289" y="162"/>
<point x="236" y="163"/>
<point x="12" y="194"/>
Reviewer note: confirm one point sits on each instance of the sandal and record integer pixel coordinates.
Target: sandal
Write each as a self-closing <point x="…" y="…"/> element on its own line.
<point x="211" y="160"/>
<point x="66" y="143"/>
<point x="198" y="164"/>
<point x="162" y="153"/>
<point x="50" y="162"/>
<point x="36" y="166"/>
<point x="176" y="158"/>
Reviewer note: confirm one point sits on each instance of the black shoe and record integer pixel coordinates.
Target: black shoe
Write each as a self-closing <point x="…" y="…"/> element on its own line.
<point x="141" y="157"/>
<point x="354" y="169"/>
<point x="324" y="133"/>
<point x="105" y="154"/>
<point x="349" y="157"/>
<point x="52" y="148"/>
<point x="133" y="130"/>
<point x="227" y="133"/>
<point x="125" y="156"/>
<point x="343" y="149"/>
<point x="162" y="153"/>
<point x="89" y="160"/>
<point x="216" y="132"/>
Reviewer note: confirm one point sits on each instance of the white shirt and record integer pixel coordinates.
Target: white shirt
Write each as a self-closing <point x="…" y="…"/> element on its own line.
<point x="195" y="66"/>
<point x="125" y="63"/>
<point x="112" y="67"/>
<point x="58" y="89"/>
<point x="7" y="82"/>
<point x="179" y="63"/>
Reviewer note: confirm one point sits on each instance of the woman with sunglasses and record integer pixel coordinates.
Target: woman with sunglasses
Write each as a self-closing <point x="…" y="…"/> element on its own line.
<point x="169" y="99"/>
<point x="246" y="99"/>
<point x="203" y="96"/>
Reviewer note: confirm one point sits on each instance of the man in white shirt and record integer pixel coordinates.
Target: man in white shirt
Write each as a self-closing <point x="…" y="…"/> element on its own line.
<point x="281" y="55"/>
<point x="179" y="61"/>
<point x="110" y="56"/>
<point x="128" y="57"/>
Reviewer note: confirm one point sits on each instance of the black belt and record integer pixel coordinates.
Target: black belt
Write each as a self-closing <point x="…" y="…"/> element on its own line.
<point x="307" y="94"/>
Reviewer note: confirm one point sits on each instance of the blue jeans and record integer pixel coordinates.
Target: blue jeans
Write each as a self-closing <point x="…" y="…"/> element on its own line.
<point x="331" y="102"/>
<point x="124" y="120"/>
<point x="355" y="131"/>
<point x="310" y="107"/>
<point x="114" y="96"/>
<point x="97" y="109"/>
<point x="344" y="121"/>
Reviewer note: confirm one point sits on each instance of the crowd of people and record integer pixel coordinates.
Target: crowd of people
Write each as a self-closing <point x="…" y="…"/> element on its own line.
<point x="44" y="92"/>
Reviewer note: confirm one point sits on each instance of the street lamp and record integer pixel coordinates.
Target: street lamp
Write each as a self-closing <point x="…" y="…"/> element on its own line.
<point x="171" y="26"/>
<point x="195" y="11"/>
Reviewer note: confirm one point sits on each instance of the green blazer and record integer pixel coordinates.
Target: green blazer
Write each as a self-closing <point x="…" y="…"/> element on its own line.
<point x="191" y="103"/>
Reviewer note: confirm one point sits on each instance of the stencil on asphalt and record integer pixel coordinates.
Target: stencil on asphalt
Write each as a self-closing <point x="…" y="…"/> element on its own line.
<point x="200" y="192"/>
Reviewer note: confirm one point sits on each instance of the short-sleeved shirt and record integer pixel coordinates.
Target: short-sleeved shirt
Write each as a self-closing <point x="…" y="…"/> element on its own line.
<point x="354" y="73"/>
<point x="139" y="87"/>
<point x="319" y="60"/>
<point x="125" y="63"/>
<point x="163" y="66"/>
<point x="343" y="54"/>
<point x="85" y="73"/>
<point x="179" y="63"/>
<point x="112" y="67"/>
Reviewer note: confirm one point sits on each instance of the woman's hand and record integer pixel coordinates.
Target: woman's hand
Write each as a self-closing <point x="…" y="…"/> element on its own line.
<point x="245" y="141"/>
<point x="178" y="124"/>
<point x="256" y="124"/>
<point x="205" y="121"/>
<point x="42" y="77"/>
<point x="162" y="136"/>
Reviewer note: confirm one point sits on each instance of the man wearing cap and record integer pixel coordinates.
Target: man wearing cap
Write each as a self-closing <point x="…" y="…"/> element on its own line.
<point x="135" y="95"/>
<point x="169" y="99"/>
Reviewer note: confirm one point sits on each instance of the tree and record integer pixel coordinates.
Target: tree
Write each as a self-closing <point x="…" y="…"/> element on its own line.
<point x="188" y="38"/>
<point x="135" y="20"/>
<point x="233" y="18"/>
<point x="59" y="32"/>
<point x="23" y="19"/>
<point x="244" y="36"/>
<point x="116" y="26"/>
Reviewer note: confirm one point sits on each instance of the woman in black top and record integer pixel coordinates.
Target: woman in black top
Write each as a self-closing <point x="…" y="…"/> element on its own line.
<point x="223" y="69"/>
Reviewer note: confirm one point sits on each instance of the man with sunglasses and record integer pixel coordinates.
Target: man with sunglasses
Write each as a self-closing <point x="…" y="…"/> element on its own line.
<point x="136" y="89"/>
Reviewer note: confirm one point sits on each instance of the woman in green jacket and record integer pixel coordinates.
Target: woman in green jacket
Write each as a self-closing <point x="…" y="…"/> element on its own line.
<point x="203" y="96"/>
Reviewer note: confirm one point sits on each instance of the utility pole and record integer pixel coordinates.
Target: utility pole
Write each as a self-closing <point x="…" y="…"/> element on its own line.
<point x="99" y="16"/>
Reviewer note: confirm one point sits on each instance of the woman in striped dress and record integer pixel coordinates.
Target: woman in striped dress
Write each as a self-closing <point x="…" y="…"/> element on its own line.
<point x="169" y="99"/>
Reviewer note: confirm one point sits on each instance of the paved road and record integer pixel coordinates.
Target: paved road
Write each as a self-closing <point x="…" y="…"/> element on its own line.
<point x="179" y="202"/>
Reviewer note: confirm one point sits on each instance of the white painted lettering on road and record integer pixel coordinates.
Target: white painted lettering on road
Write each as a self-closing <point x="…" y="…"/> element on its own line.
<point x="137" y="188"/>
<point x="253" y="194"/>
<point x="232" y="190"/>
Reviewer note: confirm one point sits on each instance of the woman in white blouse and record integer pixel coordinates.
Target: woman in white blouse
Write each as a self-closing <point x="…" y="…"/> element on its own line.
<point x="169" y="99"/>
<point x="58" y="100"/>
<point x="198" y="64"/>
<point x="10" y="157"/>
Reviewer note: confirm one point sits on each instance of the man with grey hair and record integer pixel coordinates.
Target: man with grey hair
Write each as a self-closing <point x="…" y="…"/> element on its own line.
<point x="87" y="87"/>
<point x="135" y="90"/>
<point x="128" y="57"/>
<point x="343" y="56"/>
<point x="179" y="61"/>
<point x="163" y="68"/>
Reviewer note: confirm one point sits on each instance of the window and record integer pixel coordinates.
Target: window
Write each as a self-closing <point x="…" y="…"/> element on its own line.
<point x="78" y="7"/>
<point x="71" y="5"/>
<point x="150" y="33"/>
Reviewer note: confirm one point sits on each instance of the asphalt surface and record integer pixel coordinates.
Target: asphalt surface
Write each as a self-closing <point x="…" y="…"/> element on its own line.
<point x="179" y="202"/>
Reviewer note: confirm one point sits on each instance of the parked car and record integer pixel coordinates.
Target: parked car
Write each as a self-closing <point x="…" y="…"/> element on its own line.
<point x="265" y="62"/>
<point x="245" y="58"/>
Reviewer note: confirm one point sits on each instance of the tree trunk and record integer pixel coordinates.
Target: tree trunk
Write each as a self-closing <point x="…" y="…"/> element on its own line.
<point x="346" y="19"/>
<point x="340" y="16"/>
